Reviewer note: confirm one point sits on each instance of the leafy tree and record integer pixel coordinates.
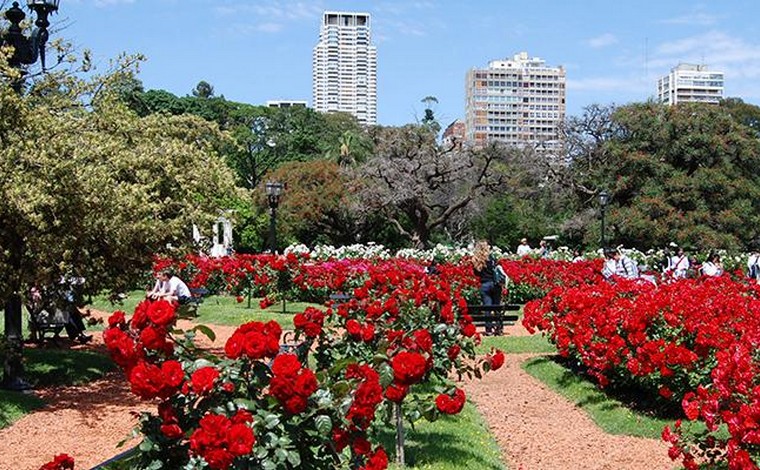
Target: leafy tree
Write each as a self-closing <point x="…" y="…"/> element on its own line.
<point x="419" y="186"/>
<point x="95" y="191"/>
<point x="203" y="90"/>
<point x="429" y="119"/>
<point x="685" y="173"/>
<point x="315" y="206"/>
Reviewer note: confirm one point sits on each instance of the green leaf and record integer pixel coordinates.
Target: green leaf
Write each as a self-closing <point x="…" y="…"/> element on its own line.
<point x="206" y="331"/>
<point x="146" y="445"/>
<point x="324" y="425"/>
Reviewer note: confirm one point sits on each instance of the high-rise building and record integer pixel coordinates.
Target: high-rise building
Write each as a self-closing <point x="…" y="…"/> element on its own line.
<point x="344" y="75"/>
<point x="518" y="101"/>
<point x="690" y="83"/>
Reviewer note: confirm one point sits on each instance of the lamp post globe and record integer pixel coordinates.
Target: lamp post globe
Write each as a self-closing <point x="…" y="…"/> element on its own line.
<point x="26" y="51"/>
<point x="273" y="191"/>
<point x="604" y="199"/>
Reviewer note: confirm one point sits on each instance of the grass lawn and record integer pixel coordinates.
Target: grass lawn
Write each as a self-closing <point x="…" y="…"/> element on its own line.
<point x="51" y="367"/>
<point x="219" y="309"/>
<point x="608" y="412"/>
<point x="516" y="344"/>
<point x="452" y="443"/>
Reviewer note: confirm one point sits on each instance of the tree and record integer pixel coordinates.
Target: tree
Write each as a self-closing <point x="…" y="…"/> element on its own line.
<point x="429" y="119"/>
<point x="686" y="174"/>
<point x="94" y="191"/>
<point x="419" y="186"/>
<point x="203" y="90"/>
<point x="315" y="207"/>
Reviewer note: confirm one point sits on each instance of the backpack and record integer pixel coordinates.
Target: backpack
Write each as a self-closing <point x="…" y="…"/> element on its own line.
<point x="499" y="276"/>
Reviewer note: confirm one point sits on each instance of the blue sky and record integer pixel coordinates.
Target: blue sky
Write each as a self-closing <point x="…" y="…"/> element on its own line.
<point x="256" y="50"/>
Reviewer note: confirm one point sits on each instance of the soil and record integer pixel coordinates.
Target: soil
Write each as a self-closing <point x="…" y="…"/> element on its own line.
<point x="535" y="427"/>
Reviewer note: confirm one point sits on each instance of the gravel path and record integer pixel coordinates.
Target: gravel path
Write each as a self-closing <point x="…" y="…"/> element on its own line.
<point x="535" y="427"/>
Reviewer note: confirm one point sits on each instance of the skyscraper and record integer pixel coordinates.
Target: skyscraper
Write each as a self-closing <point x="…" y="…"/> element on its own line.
<point x="518" y="101"/>
<point x="690" y="83"/>
<point x="344" y="75"/>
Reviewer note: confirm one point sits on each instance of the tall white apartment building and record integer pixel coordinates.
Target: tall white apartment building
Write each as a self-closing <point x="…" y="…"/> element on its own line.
<point x="344" y="66"/>
<point x="690" y="83"/>
<point x="518" y="101"/>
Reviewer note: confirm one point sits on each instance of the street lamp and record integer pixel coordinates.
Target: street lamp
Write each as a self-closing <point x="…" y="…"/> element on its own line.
<point x="274" y="192"/>
<point x="26" y="51"/>
<point x="604" y="199"/>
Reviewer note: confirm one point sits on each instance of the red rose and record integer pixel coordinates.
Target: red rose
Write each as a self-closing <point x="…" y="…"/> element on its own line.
<point x="60" y="462"/>
<point x="424" y="340"/>
<point x="241" y="439"/>
<point x="153" y="338"/>
<point x="172" y="431"/>
<point x="203" y="380"/>
<point x="396" y="393"/>
<point x="408" y="367"/>
<point x="117" y="319"/>
<point x="161" y="312"/>
<point x="147" y="380"/>
<point x="469" y="330"/>
<point x="368" y="332"/>
<point x="173" y="373"/>
<point x="354" y="328"/>
<point x="140" y="317"/>
<point x="239" y="299"/>
<point x="377" y="461"/>
<point x="361" y="446"/>
<point x="286" y="365"/>
<point x="496" y="360"/>
<point x="451" y="405"/>
<point x="453" y="352"/>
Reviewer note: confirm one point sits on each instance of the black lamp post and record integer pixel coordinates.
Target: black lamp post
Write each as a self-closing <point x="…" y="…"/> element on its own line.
<point x="26" y="51"/>
<point x="274" y="192"/>
<point x="604" y="199"/>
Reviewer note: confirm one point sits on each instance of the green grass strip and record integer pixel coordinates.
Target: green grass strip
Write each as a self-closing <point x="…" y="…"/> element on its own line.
<point x="608" y="413"/>
<point x="536" y="344"/>
<point x="14" y="405"/>
<point x="451" y="443"/>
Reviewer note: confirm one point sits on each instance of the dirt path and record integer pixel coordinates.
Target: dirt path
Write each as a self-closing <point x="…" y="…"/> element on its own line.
<point x="535" y="427"/>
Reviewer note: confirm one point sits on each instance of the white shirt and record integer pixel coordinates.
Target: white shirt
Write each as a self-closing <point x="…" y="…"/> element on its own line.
<point x="679" y="265"/>
<point x="752" y="260"/>
<point x="524" y="249"/>
<point x="711" y="269"/>
<point x="178" y="287"/>
<point x="609" y="269"/>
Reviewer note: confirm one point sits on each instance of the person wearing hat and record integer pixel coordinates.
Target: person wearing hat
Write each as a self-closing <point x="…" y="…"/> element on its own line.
<point x="524" y="249"/>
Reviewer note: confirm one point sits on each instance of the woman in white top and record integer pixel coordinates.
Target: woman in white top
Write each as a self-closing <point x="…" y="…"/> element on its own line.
<point x="712" y="266"/>
<point x="679" y="264"/>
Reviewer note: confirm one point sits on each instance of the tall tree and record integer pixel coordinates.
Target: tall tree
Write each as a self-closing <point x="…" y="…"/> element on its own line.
<point x="203" y="90"/>
<point x="419" y="186"/>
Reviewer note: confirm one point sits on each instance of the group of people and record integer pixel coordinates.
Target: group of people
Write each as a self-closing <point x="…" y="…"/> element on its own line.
<point x="676" y="266"/>
<point x="544" y="249"/>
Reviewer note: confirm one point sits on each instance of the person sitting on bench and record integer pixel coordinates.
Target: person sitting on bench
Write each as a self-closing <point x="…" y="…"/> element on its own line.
<point x="175" y="291"/>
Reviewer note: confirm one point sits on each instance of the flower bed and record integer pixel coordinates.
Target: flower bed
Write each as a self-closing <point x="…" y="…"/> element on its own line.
<point x="691" y="341"/>
<point x="383" y="358"/>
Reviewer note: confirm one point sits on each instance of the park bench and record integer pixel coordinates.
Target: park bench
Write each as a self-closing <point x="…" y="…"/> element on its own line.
<point x="46" y="319"/>
<point x="494" y="314"/>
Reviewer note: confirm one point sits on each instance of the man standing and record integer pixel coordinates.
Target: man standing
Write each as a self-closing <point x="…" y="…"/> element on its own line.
<point x="524" y="249"/>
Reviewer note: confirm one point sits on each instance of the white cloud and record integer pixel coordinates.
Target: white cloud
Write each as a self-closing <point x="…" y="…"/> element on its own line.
<point x="269" y="27"/>
<point x="604" y="40"/>
<point x="695" y="18"/>
<point x="735" y="56"/>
